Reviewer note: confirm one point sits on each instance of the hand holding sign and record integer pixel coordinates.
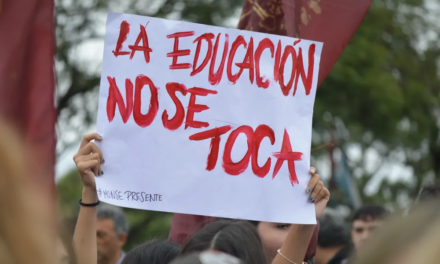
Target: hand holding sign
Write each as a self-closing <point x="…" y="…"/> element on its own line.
<point x="88" y="160"/>
<point x="318" y="194"/>
<point x="206" y="120"/>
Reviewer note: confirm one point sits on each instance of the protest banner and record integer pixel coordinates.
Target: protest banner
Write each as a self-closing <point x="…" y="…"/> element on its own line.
<point x="206" y="120"/>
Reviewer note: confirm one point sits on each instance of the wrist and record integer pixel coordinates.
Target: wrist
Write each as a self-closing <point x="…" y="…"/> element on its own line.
<point x="89" y="194"/>
<point x="89" y="188"/>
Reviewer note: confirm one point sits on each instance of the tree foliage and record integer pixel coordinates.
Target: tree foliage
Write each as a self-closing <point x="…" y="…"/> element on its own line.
<point x="382" y="97"/>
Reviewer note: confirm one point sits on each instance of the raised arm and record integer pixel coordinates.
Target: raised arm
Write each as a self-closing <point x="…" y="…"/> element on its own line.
<point x="88" y="160"/>
<point x="295" y="246"/>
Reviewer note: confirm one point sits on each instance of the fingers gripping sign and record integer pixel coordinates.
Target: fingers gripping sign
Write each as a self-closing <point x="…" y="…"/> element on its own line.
<point x="312" y="184"/>
<point x="318" y="193"/>
<point x="88" y="159"/>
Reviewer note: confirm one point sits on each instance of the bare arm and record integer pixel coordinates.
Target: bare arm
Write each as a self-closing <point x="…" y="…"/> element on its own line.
<point x="295" y="246"/>
<point x="84" y="238"/>
<point x="88" y="160"/>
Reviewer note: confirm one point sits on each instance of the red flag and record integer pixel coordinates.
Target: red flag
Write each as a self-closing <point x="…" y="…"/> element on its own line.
<point x="27" y="84"/>
<point x="330" y="21"/>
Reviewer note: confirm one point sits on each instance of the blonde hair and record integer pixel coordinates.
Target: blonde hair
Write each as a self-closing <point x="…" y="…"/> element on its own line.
<point x="25" y="236"/>
<point x="414" y="237"/>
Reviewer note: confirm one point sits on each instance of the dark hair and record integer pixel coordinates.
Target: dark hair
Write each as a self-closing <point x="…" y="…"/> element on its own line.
<point x="332" y="230"/>
<point x="254" y="223"/>
<point x="370" y="212"/>
<point x="152" y="252"/>
<point x="429" y="192"/>
<point x="206" y="257"/>
<point x="236" y="238"/>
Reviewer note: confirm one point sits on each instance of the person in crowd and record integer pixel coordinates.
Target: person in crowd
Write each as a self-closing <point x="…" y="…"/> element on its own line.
<point x="405" y="239"/>
<point x="238" y="238"/>
<point x="152" y="252"/>
<point x="365" y="221"/>
<point x="207" y="257"/>
<point x="106" y="223"/>
<point x="241" y="239"/>
<point x="334" y="244"/>
<point x="112" y="230"/>
<point x="89" y="166"/>
<point x="274" y="234"/>
<point x="429" y="192"/>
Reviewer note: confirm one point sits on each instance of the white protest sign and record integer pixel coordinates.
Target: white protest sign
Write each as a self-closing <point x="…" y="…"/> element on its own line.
<point x="206" y="120"/>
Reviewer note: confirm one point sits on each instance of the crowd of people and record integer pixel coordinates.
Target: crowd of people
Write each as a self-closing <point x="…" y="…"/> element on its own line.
<point x="374" y="235"/>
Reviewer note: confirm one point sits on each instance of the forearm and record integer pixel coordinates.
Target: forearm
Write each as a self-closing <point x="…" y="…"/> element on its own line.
<point x="84" y="238"/>
<point x="311" y="250"/>
<point x="295" y="246"/>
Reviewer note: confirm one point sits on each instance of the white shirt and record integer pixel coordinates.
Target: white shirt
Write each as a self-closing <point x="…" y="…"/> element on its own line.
<point x="121" y="258"/>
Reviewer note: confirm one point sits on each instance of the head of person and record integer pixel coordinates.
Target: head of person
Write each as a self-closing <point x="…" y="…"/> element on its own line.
<point x="272" y="236"/>
<point x="429" y="193"/>
<point x="332" y="237"/>
<point x="111" y="233"/>
<point x="152" y="252"/>
<point x="236" y="238"/>
<point x="405" y="239"/>
<point x="365" y="220"/>
<point x="207" y="257"/>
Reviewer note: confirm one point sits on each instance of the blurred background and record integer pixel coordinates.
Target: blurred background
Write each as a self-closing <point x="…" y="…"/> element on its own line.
<point x="377" y="115"/>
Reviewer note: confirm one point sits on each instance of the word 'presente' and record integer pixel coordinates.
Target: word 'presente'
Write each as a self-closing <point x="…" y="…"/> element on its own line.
<point x="129" y="196"/>
<point x="143" y="197"/>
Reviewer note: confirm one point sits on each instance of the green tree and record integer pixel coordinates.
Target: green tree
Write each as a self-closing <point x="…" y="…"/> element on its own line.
<point x="382" y="96"/>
